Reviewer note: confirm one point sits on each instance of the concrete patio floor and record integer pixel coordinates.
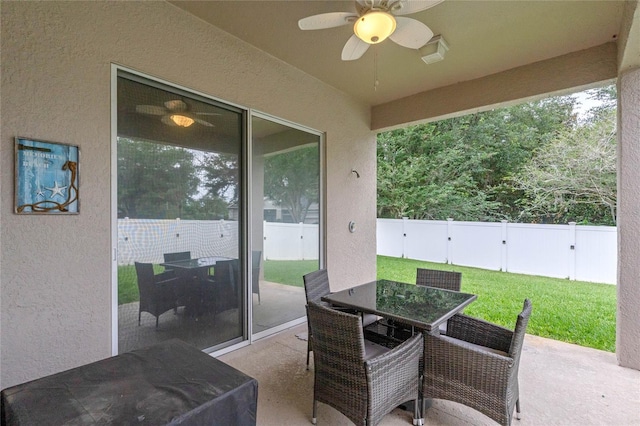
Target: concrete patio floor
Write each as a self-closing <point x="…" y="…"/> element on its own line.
<point x="560" y="384"/>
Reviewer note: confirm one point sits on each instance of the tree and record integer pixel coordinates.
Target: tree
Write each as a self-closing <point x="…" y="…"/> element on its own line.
<point x="573" y="177"/>
<point x="154" y="180"/>
<point x="458" y="167"/>
<point x="291" y="180"/>
<point x="221" y="180"/>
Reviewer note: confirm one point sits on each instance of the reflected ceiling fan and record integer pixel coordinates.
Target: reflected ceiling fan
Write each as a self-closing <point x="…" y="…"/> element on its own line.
<point x="373" y="22"/>
<point x="175" y="113"/>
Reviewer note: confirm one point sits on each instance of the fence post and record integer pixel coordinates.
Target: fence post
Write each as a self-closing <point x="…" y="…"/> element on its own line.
<point x="405" y="220"/>
<point x="265" y="254"/>
<point x="449" y="239"/>
<point x="177" y="236"/>
<point x="572" y="250"/>
<point x="504" y="267"/>
<point x="301" y="228"/>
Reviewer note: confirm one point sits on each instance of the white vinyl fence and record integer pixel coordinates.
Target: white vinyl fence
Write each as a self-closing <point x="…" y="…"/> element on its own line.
<point x="576" y="252"/>
<point x="146" y="240"/>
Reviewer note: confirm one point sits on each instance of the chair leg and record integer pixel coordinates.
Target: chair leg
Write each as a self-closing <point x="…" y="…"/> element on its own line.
<point x="418" y="420"/>
<point x="308" y="351"/>
<point x="157" y="322"/>
<point x="314" y="419"/>
<point x="518" y="409"/>
<point x="139" y="313"/>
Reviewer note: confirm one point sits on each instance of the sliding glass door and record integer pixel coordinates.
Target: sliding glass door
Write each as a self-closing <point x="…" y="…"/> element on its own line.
<point x="193" y="262"/>
<point x="180" y="229"/>
<point x="285" y="219"/>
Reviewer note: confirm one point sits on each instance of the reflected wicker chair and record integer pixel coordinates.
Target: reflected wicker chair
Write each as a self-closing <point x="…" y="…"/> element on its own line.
<point x="316" y="285"/>
<point x="174" y="257"/>
<point x="476" y="364"/>
<point x="447" y="280"/>
<point x="362" y="380"/>
<point x="157" y="292"/>
<point x="223" y="290"/>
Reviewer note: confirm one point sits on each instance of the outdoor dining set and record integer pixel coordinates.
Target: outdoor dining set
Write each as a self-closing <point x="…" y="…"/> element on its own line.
<point x="205" y="285"/>
<point x="386" y="344"/>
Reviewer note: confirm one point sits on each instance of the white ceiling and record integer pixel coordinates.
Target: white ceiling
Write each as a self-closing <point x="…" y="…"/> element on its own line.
<point x="485" y="37"/>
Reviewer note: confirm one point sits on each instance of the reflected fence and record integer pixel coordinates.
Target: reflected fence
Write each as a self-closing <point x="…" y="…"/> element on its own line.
<point x="146" y="240"/>
<point x="575" y="252"/>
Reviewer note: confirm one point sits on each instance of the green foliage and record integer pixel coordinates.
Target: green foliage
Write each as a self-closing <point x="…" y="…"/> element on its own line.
<point x="570" y="311"/>
<point x="457" y="167"/>
<point x="534" y="162"/>
<point x="157" y="181"/>
<point x="154" y="181"/>
<point x="573" y="178"/>
<point x="291" y="180"/>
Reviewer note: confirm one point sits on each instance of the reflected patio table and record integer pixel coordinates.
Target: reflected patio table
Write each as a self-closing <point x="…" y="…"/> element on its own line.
<point x="421" y="307"/>
<point x="202" y="262"/>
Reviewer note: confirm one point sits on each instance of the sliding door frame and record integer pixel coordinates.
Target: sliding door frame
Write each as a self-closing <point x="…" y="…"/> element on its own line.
<point x="246" y="187"/>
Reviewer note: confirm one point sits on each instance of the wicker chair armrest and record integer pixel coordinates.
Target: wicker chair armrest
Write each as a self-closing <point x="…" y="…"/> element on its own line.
<point x="447" y="358"/>
<point x="479" y="332"/>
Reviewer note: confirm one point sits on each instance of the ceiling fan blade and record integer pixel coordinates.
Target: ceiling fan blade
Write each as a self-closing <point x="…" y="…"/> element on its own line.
<point x="151" y="109"/>
<point x="405" y="7"/>
<point x="204" y="123"/>
<point x="176" y="105"/>
<point x="354" y="49"/>
<point x="326" y="20"/>
<point x="411" y="33"/>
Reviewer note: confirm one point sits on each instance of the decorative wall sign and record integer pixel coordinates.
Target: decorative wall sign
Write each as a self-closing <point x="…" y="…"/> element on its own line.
<point x="46" y="177"/>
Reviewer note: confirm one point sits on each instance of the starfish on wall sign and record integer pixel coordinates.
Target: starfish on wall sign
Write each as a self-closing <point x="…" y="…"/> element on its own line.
<point x="56" y="190"/>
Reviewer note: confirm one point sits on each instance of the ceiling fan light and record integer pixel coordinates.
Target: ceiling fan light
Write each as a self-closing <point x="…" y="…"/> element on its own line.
<point x="375" y="26"/>
<point x="182" y="120"/>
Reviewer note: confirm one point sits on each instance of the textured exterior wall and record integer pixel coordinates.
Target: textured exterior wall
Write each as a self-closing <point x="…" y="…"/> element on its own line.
<point x="628" y="319"/>
<point x="55" y="276"/>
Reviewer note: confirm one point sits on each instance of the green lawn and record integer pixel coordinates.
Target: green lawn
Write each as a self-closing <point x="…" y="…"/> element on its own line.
<point x="277" y="271"/>
<point x="571" y="311"/>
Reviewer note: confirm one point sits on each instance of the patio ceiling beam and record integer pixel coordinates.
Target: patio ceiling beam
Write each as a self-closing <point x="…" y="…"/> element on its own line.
<point x="576" y="70"/>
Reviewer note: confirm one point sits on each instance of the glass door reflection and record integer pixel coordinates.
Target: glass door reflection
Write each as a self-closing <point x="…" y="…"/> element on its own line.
<point x="285" y="220"/>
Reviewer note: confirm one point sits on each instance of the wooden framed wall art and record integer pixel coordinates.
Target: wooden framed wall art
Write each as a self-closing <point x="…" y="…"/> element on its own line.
<point x="46" y="177"/>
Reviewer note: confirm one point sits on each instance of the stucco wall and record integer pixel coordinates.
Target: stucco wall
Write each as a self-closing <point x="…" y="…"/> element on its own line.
<point x="55" y="272"/>
<point x="628" y="323"/>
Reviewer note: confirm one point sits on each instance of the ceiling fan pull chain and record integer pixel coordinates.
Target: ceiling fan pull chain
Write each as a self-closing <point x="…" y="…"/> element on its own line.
<point x="375" y="68"/>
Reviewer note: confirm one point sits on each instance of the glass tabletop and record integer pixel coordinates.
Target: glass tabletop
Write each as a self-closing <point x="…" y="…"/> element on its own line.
<point x="419" y="306"/>
<point x="202" y="262"/>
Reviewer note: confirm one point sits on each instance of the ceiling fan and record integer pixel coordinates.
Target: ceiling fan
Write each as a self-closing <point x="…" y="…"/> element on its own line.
<point x="373" y="22"/>
<point x="175" y="113"/>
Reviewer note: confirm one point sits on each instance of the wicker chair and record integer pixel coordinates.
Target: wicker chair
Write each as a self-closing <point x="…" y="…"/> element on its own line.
<point x="476" y="364"/>
<point x="173" y="257"/>
<point x="362" y="380"/>
<point x="157" y="292"/>
<point x="447" y="280"/>
<point x="316" y="285"/>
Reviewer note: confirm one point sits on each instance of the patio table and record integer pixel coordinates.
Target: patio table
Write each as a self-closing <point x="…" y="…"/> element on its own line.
<point x="198" y="292"/>
<point x="421" y="307"/>
<point x="195" y="264"/>
<point x="167" y="383"/>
